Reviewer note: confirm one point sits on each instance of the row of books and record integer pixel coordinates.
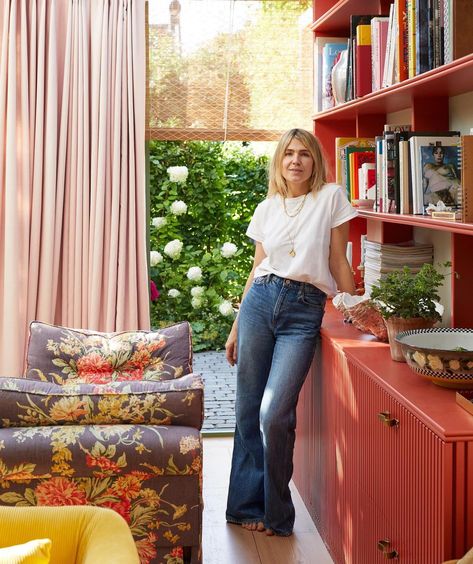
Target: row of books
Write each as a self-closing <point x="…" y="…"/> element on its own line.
<point x="416" y="36"/>
<point x="379" y="259"/>
<point x="409" y="172"/>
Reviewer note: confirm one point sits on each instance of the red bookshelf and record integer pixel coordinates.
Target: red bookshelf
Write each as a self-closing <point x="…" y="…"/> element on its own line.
<point x="363" y="482"/>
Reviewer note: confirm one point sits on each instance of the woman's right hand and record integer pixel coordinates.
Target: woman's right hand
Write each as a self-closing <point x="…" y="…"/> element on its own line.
<point x="231" y="344"/>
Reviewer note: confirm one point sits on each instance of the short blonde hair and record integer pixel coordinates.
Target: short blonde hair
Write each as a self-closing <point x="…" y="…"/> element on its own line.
<point x="277" y="183"/>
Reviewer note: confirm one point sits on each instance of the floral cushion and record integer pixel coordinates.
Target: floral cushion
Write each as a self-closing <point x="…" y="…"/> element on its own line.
<point x="31" y="403"/>
<point x="59" y="354"/>
<point x="151" y="475"/>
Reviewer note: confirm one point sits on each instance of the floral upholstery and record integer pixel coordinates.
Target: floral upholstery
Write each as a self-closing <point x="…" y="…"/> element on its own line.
<point x="59" y="354"/>
<point x="27" y="403"/>
<point x="131" y="446"/>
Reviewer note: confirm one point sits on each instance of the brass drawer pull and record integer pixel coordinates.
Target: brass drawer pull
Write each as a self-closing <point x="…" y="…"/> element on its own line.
<point x="383" y="546"/>
<point x="385" y="417"/>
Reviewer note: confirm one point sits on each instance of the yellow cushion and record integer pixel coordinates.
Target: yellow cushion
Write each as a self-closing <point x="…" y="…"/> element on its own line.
<point x="31" y="552"/>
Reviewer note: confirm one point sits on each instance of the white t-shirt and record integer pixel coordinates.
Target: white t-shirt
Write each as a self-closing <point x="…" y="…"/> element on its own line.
<point x="308" y="232"/>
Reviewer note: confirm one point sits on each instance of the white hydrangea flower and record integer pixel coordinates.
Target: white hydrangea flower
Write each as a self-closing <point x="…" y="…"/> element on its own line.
<point x="194" y="273"/>
<point x="225" y="308"/>
<point x="196" y="302"/>
<point x="179" y="207"/>
<point x="197" y="291"/>
<point x="159" y="222"/>
<point x="173" y="293"/>
<point x="155" y="258"/>
<point x="173" y="248"/>
<point x="227" y="250"/>
<point x="178" y="173"/>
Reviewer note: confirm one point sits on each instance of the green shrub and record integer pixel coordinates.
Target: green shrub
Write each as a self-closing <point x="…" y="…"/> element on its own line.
<point x="225" y="182"/>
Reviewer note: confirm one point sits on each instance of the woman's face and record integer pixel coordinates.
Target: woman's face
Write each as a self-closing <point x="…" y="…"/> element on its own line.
<point x="438" y="155"/>
<point x="297" y="164"/>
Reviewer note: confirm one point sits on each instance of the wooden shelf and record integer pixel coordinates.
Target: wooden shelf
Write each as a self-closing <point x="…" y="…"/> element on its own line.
<point x="420" y="221"/>
<point x="448" y="80"/>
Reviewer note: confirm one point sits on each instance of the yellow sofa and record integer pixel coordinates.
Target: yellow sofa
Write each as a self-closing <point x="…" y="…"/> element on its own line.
<point x="80" y="534"/>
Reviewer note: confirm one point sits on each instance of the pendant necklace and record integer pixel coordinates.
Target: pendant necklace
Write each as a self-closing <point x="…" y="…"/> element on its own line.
<point x="295" y="213"/>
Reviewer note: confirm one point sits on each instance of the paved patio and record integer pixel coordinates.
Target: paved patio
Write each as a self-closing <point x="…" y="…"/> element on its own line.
<point x="220" y="387"/>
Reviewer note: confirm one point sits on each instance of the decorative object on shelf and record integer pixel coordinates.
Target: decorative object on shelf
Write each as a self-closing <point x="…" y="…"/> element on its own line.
<point x="408" y="301"/>
<point x="442" y="355"/>
<point x="361" y="312"/>
<point x="366" y="204"/>
<point x="339" y="78"/>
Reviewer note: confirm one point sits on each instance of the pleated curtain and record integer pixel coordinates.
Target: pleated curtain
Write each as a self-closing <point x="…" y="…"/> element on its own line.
<point x="72" y="168"/>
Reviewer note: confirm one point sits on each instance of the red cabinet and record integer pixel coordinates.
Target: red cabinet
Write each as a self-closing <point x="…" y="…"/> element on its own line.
<point x="382" y="457"/>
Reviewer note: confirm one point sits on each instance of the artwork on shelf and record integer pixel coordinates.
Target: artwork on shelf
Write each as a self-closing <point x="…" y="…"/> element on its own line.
<point x="440" y="175"/>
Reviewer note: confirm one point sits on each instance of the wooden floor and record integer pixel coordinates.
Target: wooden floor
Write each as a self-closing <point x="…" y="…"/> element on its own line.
<point x="230" y="544"/>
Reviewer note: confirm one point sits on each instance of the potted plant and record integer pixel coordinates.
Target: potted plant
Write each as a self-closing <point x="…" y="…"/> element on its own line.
<point x="408" y="301"/>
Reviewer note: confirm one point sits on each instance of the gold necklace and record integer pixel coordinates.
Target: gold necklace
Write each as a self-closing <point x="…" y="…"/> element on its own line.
<point x="298" y="209"/>
<point x="292" y="237"/>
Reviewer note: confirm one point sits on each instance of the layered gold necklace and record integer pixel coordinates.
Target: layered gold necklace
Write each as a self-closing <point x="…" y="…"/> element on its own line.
<point x="294" y="213"/>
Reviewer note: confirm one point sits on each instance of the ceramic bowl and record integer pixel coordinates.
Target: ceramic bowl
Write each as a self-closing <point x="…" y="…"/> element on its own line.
<point x="442" y="355"/>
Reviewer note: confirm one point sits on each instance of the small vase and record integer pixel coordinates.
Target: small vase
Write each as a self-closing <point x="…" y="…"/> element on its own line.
<point x="395" y="325"/>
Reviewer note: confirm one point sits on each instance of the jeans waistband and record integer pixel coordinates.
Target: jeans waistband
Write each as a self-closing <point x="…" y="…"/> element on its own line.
<point x="291" y="283"/>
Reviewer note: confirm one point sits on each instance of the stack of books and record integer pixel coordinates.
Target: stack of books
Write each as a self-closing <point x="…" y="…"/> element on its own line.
<point x="380" y="259"/>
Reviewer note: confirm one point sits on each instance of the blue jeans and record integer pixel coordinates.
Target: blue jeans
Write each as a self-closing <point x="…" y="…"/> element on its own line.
<point x="278" y="329"/>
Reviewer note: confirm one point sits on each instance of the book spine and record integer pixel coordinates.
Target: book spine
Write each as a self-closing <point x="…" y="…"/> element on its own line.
<point x="466" y="163"/>
<point x="378" y="202"/>
<point x="447" y="31"/>
<point x="401" y="41"/>
<point x="375" y="63"/>
<point x="437" y="43"/>
<point x="462" y="28"/>
<point x="363" y="61"/>
<point x="422" y="36"/>
<point x="411" y="35"/>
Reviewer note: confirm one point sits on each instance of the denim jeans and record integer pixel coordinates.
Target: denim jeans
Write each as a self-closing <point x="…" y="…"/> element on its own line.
<point x="278" y="328"/>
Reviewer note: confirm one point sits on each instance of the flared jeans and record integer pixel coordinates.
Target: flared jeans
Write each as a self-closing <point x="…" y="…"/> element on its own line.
<point x="278" y="329"/>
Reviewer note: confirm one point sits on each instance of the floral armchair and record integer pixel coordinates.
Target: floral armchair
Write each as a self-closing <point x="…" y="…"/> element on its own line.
<point x="113" y="420"/>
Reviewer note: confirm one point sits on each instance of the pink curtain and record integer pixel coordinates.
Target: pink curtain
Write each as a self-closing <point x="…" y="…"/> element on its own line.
<point x="72" y="168"/>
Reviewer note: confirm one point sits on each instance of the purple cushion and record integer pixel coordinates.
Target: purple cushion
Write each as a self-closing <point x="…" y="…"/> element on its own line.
<point x="59" y="354"/>
<point x="31" y="403"/>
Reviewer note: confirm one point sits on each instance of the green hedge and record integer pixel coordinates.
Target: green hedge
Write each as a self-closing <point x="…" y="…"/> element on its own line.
<point x="225" y="182"/>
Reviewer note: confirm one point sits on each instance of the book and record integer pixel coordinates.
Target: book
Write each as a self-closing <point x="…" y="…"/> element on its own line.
<point x="363" y="60"/>
<point x="440" y="174"/>
<point x="419" y="160"/>
<point x="330" y="53"/>
<point x="458" y="26"/>
<point x="319" y="44"/>
<point x="390" y="60"/>
<point x="349" y="166"/>
<point x="355" y="21"/>
<point x="411" y="37"/>
<point x="379" y="35"/>
<point x="466" y="163"/>
<point x="401" y="41"/>
<point x="422" y="36"/>
<point x="360" y="158"/>
<point x="378" y="199"/>
<point x="367" y="180"/>
<point x="405" y="201"/>
<point x="391" y="195"/>
<point x="341" y="143"/>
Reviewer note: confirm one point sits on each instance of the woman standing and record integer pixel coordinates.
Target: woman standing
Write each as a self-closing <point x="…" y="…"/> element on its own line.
<point x="300" y="232"/>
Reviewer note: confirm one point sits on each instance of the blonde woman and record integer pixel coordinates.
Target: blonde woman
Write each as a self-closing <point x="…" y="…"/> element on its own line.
<point x="300" y="232"/>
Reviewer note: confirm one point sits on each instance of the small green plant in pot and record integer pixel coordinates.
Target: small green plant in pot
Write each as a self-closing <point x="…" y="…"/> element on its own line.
<point x="408" y="301"/>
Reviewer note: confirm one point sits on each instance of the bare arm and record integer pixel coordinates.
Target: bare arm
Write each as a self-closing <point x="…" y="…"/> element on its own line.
<point x="230" y="345"/>
<point x="338" y="263"/>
